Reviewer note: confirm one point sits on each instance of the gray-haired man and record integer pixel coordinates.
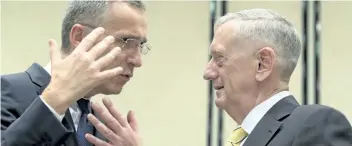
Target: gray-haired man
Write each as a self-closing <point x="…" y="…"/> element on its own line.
<point x="254" y="53"/>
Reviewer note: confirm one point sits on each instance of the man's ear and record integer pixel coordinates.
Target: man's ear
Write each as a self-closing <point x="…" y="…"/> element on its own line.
<point x="265" y="59"/>
<point x="76" y="35"/>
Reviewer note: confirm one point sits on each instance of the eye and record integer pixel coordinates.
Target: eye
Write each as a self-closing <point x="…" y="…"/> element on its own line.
<point x="124" y="39"/>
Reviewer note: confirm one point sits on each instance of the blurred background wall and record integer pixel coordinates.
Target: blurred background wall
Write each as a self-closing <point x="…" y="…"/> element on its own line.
<point x="168" y="92"/>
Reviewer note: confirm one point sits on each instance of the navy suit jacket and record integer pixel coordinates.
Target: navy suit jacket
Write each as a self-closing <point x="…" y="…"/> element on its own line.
<point x="289" y="124"/>
<point x="25" y="119"/>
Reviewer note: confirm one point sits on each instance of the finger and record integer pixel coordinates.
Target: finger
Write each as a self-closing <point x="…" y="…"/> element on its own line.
<point x="114" y="112"/>
<point x="101" y="47"/>
<point x="108" y="74"/>
<point x="108" y="119"/>
<point x="107" y="58"/>
<point x="88" y="41"/>
<point x="105" y="131"/>
<point x="96" y="141"/>
<point x="131" y="118"/>
<point x="54" y="51"/>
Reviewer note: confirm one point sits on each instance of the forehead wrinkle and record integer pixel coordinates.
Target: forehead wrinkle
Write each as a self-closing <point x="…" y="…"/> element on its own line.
<point x="225" y="36"/>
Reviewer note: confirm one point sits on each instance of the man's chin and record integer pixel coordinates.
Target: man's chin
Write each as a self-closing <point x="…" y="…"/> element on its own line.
<point x="113" y="90"/>
<point x="220" y="103"/>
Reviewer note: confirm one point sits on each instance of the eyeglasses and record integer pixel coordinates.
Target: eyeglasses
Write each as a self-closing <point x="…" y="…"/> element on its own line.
<point x="128" y="43"/>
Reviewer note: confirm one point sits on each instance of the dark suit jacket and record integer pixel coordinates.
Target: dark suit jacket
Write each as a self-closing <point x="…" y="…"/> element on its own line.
<point x="25" y="119"/>
<point x="289" y="124"/>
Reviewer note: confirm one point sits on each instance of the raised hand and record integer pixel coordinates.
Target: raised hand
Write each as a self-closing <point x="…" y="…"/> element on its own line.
<point x="118" y="130"/>
<point x="74" y="76"/>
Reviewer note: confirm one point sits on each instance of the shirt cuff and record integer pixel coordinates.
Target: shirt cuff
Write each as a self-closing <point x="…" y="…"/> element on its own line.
<point x="59" y="117"/>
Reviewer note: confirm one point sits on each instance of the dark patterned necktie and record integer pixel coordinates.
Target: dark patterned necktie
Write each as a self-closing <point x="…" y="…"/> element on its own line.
<point x="84" y="126"/>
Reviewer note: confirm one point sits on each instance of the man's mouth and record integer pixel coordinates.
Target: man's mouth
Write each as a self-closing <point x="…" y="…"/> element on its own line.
<point x="218" y="87"/>
<point x="126" y="76"/>
<point x="218" y="90"/>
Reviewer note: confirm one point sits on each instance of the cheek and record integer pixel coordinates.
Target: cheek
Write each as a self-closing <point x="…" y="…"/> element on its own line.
<point x="237" y="78"/>
<point x="230" y="80"/>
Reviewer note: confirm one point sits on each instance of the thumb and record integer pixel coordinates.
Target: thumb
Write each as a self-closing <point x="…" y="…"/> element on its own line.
<point x="54" y="51"/>
<point x="132" y="120"/>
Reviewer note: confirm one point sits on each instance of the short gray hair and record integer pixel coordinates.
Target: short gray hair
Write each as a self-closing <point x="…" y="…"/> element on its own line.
<point x="87" y="12"/>
<point x="268" y="27"/>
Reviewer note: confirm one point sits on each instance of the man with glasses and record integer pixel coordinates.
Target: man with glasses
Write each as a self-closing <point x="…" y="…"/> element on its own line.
<point x="102" y="43"/>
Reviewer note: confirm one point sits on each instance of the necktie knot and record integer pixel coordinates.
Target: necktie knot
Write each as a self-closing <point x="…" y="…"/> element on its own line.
<point x="83" y="105"/>
<point x="237" y="136"/>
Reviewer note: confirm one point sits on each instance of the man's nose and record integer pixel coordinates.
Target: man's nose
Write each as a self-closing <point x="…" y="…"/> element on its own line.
<point x="135" y="59"/>
<point x="210" y="73"/>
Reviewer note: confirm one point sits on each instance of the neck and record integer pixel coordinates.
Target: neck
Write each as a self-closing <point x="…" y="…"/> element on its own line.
<point x="270" y="90"/>
<point x="249" y="101"/>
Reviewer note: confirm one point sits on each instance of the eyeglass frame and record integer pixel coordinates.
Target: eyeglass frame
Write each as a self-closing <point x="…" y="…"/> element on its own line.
<point x="141" y="46"/>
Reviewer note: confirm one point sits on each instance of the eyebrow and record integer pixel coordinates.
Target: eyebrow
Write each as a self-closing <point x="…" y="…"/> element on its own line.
<point x="131" y="36"/>
<point x="215" y="51"/>
<point x="125" y="35"/>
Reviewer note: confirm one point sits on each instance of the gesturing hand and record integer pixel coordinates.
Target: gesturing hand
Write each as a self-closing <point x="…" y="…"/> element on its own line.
<point x="118" y="130"/>
<point x="74" y="76"/>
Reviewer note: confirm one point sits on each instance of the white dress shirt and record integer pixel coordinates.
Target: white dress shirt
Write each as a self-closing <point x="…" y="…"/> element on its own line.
<point x="258" y="112"/>
<point x="74" y="109"/>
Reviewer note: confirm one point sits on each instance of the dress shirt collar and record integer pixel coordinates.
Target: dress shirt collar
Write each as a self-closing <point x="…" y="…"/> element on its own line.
<point x="258" y="112"/>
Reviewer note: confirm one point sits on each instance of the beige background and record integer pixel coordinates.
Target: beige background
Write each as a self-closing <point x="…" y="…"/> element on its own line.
<point x="168" y="92"/>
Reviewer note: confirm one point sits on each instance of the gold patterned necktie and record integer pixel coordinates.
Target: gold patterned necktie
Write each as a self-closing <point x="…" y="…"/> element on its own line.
<point x="237" y="136"/>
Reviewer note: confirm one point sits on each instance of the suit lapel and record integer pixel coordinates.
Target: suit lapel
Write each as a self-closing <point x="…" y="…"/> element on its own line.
<point x="39" y="76"/>
<point x="68" y="122"/>
<point x="271" y="123"/>
<point x="263" y="132"/>
<point x="69" y="119"/>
